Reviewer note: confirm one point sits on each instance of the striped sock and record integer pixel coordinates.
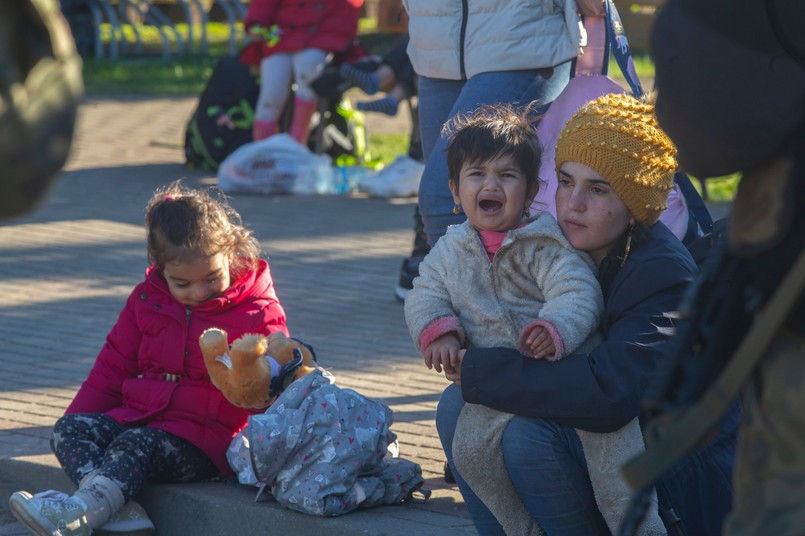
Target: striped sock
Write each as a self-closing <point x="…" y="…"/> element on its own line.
<point x="368" y="81"/>
<point x="387" y="105"/>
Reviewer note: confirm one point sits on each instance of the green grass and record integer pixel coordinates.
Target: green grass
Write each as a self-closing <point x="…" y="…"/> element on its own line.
<point x="384" y="148"/>
<point x="720" y="189"/>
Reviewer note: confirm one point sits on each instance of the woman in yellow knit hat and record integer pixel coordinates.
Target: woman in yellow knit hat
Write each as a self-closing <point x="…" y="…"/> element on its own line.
<point x="615" y="169"/>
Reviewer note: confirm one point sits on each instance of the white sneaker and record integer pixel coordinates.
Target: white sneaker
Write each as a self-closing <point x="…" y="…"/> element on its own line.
<point x="49" y="513"/>
<point x="398" y="179"/>
<point x="131" y="520"/>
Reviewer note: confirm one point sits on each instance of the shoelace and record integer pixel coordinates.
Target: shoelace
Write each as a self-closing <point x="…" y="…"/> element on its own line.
<point x="52" y="496"/>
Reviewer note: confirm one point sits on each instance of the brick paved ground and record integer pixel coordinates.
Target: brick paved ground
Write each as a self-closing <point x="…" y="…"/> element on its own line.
<point x="66" y="269"/>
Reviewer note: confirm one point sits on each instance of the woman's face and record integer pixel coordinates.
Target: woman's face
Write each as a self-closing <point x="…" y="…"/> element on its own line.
<point x="590" y="213"/>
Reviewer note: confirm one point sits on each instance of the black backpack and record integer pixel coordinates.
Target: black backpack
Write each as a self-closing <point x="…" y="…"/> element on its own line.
<point x="223" y="119"/>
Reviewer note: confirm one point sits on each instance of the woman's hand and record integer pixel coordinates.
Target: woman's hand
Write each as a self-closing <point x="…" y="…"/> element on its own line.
<point x="453" y="373"/>
<point x="442" y="352"/>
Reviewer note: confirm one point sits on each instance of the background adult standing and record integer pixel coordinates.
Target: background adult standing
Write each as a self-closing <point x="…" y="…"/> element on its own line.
<point x="468" y="54"/>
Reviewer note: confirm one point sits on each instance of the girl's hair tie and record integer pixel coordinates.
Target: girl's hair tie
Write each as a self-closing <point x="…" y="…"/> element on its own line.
<point x="169" y="197"/>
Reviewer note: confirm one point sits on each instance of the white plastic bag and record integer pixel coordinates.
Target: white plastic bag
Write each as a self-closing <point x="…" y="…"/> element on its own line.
<point x="275" y="165"/>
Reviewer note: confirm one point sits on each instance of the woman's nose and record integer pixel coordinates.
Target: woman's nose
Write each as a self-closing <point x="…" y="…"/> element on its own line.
<point x="575" y="200"/>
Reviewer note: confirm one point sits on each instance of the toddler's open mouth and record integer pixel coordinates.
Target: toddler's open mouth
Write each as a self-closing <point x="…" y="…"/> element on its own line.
<point x="490" y="205"/>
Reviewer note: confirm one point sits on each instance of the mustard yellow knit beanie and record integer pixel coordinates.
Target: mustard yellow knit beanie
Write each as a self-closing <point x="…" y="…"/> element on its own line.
<point x="618" y="137"/>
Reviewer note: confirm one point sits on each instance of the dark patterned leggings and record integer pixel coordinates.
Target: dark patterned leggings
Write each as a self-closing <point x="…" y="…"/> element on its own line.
<point x="85" y="442"/>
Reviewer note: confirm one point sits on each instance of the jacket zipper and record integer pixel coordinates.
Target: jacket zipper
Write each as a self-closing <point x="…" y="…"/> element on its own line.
<point x="462" y="37"/>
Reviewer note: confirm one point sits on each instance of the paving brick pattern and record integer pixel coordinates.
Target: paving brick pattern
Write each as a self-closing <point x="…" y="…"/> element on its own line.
<point x="67" y="268"/>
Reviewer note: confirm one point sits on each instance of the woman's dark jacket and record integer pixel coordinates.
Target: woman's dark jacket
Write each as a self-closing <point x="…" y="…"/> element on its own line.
<point x="602" y="391"/>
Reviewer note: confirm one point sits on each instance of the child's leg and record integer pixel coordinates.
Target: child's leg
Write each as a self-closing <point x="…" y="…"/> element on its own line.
<point x="275" y="86"/>
<point x="388" y="104"/>
<point x="605" y="455"/>
<point x="80" y="440"/>
<point x="307" y="66"/>
<point x="134" y="456"/>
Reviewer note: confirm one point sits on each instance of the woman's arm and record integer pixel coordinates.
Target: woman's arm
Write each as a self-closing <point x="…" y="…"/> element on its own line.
<point x="600" y="391"/>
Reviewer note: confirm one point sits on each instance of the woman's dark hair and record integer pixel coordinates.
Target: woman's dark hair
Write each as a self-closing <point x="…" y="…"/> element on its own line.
<point x="617" y="256"/>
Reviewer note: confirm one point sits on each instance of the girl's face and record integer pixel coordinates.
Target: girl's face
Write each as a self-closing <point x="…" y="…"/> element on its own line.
<point x="493" y="194"/>
<point x="591" y="215"/>
<point x="199" y="279"/>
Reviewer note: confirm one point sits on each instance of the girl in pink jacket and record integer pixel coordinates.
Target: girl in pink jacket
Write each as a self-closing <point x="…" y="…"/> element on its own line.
<point x="148" y="410"/>
<point x="291" y="42"/>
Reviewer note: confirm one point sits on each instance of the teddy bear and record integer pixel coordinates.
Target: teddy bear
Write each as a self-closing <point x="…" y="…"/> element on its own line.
<point x="255" y="369"/>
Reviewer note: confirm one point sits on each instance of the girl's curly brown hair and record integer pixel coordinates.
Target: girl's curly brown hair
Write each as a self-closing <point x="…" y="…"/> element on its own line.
<point x="184" y="222"/>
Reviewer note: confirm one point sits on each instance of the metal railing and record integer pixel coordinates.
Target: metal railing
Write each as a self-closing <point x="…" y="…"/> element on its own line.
<point x="136" y="15"/>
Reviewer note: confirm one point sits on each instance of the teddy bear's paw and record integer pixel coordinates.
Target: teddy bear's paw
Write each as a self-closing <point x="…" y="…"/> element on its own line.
<point x="213" y="343"/>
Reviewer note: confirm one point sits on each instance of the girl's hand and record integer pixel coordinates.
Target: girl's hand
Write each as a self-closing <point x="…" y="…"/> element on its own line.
<point x="442" y="352"/>
<point x="540" y="342"/>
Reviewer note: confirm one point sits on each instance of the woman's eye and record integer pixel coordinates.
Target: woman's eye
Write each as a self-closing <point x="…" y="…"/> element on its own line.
<point x="598" y="191"/>
<point x="564" y="182"/>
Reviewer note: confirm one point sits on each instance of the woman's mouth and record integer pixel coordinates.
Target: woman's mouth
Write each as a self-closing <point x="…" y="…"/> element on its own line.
<point x="573" y="225"/>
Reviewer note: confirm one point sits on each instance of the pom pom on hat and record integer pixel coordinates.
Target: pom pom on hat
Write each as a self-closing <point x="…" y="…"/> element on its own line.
<point x="618" y="137"/>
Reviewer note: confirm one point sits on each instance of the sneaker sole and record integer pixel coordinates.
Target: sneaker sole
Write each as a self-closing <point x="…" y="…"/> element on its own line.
<point x="22" y="515"/>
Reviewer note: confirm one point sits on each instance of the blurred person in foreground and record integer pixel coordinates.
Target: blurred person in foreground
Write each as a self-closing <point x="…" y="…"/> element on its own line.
<point x="746" y="113"/>
<point x="40" y="86"/>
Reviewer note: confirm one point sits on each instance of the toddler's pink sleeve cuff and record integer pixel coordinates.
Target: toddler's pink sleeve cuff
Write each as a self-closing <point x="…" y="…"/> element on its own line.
<point x="439" y="327"/>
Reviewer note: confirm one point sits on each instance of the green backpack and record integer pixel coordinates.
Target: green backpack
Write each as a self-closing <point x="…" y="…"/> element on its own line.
<point x="40" y="88"/>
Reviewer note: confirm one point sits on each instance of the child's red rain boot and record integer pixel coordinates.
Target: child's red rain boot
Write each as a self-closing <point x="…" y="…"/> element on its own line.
<point x="302" y="112"/>
<point x="263" y="129"/>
